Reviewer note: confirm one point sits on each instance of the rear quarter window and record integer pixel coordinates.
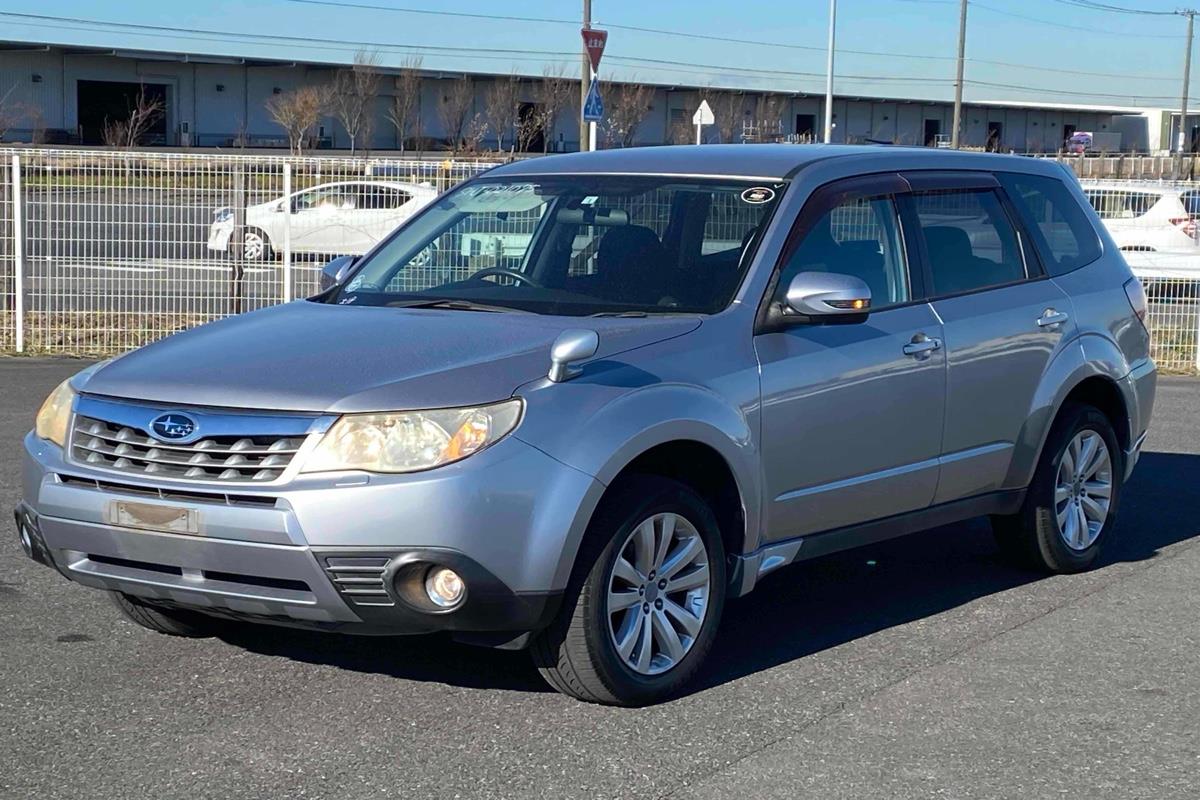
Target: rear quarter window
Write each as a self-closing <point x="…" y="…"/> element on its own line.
<point x="1061" y="230"/>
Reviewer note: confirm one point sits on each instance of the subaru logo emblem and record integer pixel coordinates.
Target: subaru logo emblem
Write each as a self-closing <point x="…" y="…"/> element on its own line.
<point x="172" y="427"/>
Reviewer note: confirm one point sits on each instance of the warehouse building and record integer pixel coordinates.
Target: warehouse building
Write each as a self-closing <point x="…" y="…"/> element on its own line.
<point x="58" y="94"/>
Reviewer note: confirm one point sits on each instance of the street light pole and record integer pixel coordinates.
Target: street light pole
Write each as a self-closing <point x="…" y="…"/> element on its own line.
<point x="585" y="81"/>
<point x="958" y="82"/>
<point x="829" y="74"/>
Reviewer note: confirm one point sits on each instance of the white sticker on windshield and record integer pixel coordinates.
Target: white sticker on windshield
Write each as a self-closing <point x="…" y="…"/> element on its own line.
<point x="758" y="195"/>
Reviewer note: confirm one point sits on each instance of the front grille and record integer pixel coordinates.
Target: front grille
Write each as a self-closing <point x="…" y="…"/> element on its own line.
<point x="359" y="579"/>
<point x="220" y="498"/>
<point x="216" y="458"/>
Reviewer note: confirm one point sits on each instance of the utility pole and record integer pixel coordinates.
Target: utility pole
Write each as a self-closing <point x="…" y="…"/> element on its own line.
<point x="585" y="80"/>
<point x="829" y="75"/>
<point x="958" y="83"/>
<point x="1184" y="143"/>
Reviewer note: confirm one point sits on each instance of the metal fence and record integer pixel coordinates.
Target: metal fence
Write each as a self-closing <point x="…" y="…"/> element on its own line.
<point x="118" y="249"/>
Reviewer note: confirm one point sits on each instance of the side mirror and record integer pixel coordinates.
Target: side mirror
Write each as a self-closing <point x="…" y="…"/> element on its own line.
<point x="278" y="209"/>
<point x="826" y="297"/>
<point x="571" y="346"/>
<point x="333" y="273"/>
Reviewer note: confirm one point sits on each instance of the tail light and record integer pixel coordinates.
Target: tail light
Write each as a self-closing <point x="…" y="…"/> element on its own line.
<point x="1185" y="224"/>
<point x="1137" y="298"/>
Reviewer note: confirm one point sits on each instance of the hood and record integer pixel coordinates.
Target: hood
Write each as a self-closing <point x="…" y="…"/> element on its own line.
<point x="307" y="356"/>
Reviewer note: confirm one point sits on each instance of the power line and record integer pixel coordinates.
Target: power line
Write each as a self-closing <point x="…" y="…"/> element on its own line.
<point x="1094" y="6"/>
<point x="1069" y="27"/>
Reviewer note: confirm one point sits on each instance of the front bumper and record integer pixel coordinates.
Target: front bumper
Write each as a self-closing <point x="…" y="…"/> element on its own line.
<point x="320" y="551"/>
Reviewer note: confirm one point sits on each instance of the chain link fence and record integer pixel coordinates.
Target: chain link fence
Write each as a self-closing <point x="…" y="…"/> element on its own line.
<point x="122" y="248"/>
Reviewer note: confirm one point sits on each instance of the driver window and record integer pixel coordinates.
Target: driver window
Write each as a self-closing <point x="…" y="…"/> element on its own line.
<point x="859" y="237"/>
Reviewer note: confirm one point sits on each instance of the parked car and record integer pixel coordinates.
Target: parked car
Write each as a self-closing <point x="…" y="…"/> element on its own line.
<point x="342" y="218"/>
<point x="587" y="447"/>
<point x="1147" y="217"/>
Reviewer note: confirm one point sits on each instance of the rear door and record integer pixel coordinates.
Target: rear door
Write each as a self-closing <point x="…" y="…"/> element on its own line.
<point x="852" y="414"/>
<point x="1003" y="318"/>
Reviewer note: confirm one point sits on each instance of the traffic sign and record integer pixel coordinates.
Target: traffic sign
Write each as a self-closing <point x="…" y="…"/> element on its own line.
<point x="593" y="107"/>
<point x="703" y="115"/>
<point x="594" y="40"/>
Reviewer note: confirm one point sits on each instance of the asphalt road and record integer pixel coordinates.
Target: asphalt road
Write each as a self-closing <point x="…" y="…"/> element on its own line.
<point x="919" y="668"/>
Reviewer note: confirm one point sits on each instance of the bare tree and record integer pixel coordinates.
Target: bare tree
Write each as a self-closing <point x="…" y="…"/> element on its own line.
<point x="353" y="97"/>
<point x="501" y="107"/>
<point x="627" y="107"/>
<point x="766" y="125"/>
<point x="554" y="95"/>
<point x="455" y="110"/>
<point x="728" y="111"/>
<point x="143" y="114"/>
<point x="405" y="109"/>
<point x="10" y="112"/>
<point x="474" y="134"/>
<point x="297" y="112"/>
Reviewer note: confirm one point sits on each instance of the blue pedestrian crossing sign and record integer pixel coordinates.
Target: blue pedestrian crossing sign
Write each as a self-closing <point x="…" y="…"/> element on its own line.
<point x="593" y="107"/>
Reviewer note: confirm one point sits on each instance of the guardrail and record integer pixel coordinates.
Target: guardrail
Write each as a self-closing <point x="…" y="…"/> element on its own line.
<point x="118" y="249"/>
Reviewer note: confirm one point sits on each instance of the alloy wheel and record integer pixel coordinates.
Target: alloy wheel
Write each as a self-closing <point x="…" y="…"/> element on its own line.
<point x="1083" y="489"/>
<point x="658" y="594"/>
<point x="252" y="246"/>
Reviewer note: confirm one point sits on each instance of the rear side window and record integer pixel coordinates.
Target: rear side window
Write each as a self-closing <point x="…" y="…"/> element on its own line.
<point x="1121" y="204"/>
<point x="969" y="239"/>
<point x="1061" y="230"/>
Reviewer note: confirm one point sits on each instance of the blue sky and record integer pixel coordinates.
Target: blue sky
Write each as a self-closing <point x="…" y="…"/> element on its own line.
<point x="1053" y="51"/>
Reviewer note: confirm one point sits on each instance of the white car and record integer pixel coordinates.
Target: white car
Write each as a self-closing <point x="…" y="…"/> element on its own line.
<point x="1147" y="217"/>
<point x="343" y="218"/>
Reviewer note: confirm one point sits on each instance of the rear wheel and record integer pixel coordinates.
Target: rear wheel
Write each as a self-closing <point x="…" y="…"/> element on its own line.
<point x="173" y="622"/>
<point x="643" y="607"/>
<point x="1070" y="509"/>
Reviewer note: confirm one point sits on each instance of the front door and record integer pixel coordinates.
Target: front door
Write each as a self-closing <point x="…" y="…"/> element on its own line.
<point x="852" y="414"/>
<point x="1004" y="322"/>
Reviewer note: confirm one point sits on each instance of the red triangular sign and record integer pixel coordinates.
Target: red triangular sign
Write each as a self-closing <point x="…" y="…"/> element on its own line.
<point x="594" y="40"/>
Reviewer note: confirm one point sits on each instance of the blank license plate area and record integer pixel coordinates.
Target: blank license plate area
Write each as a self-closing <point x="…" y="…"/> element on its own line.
<point x="173" y="519"/>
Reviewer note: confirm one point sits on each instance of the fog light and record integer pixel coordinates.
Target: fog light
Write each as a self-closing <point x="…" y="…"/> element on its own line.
<point x="444" y="587"/>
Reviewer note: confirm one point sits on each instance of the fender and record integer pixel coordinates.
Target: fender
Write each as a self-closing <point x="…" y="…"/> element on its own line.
<point x="617" y="432"/>
<point x="1089" y="355"/>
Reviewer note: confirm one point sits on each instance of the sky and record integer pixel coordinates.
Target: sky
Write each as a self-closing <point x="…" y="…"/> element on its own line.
<point x="1049" y="50"/>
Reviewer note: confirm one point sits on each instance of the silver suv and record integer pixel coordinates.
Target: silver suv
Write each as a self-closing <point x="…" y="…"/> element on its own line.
<point x="576" y="404"/>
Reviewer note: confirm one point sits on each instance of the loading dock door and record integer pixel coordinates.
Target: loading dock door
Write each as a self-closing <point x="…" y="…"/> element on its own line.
<point x="113" y="100"/>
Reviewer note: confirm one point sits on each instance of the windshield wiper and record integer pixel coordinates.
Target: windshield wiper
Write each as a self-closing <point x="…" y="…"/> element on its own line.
<point x="619" y="314"/>
<point x="455" y="305"/>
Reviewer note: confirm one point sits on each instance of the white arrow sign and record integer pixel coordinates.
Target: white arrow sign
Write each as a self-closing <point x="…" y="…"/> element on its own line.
<point x="702" y="117"/>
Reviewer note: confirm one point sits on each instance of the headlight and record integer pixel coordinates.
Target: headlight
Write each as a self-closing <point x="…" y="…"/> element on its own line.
<point x="409" y="441"/>
<point x="55" y="414"/>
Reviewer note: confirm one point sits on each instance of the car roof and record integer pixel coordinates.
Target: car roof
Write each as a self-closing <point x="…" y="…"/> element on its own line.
<point x="393" y="184"/>
<point x="766" y="161"/>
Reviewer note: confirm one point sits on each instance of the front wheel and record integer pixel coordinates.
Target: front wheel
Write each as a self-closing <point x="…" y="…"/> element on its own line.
<point x="255" y="246"/>
<point x="1071" y="506"/>
<point x="643" y="606"/>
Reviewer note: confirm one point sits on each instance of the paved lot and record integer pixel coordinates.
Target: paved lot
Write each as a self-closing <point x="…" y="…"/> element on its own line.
<point x="919" y="668"/>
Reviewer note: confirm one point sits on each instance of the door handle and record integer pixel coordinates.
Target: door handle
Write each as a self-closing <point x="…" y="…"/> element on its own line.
<point x="922" y="346"/>
<point x="1051" y="318"/>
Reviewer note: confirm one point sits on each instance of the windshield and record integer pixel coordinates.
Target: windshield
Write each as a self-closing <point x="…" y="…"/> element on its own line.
<point x="572" y="245"/>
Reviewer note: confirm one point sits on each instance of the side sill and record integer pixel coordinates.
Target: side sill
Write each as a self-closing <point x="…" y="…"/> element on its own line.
<point x="746" y="570"/>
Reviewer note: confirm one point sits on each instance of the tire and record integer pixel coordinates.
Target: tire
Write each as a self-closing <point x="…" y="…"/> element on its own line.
<point x="1048" y="534"/>
<point x="578" y="653"/>
<point x="254" y="246"/>
<point x="172" y="622"/>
